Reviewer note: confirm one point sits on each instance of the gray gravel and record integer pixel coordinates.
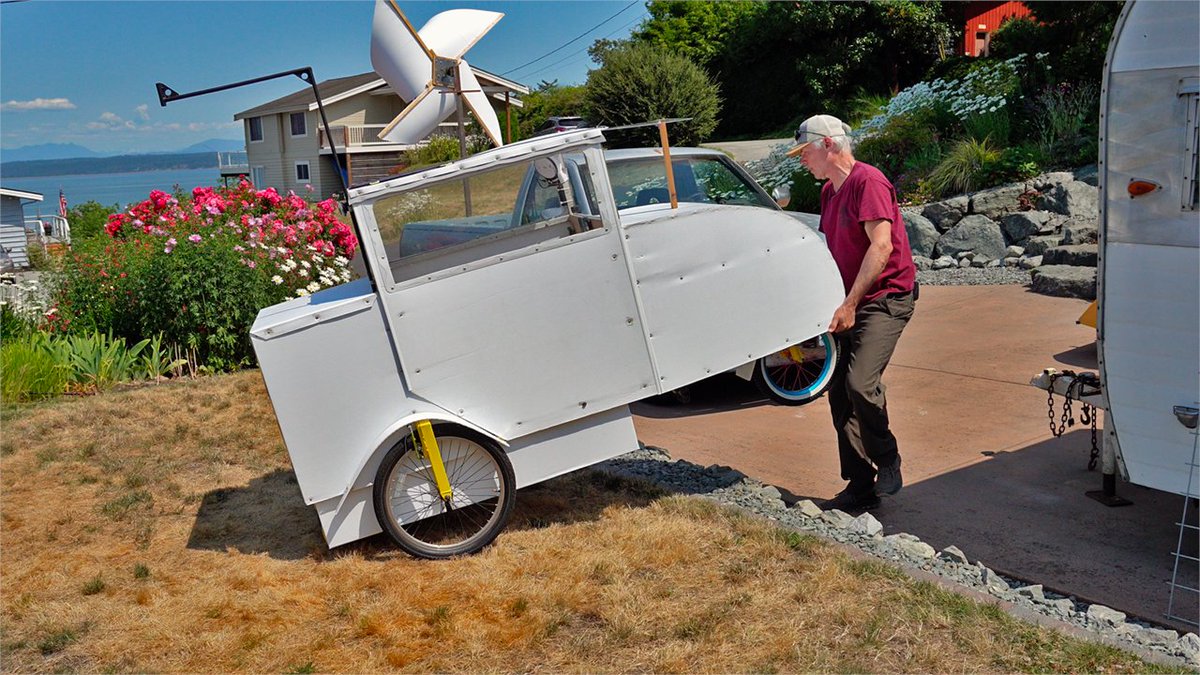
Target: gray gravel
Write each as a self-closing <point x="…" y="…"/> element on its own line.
<point x="974" y="276"/>
<point x="731" y="487"/>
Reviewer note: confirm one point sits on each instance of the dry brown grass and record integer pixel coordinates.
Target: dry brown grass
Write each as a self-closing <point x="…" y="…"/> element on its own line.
<point x="161" y="529"/>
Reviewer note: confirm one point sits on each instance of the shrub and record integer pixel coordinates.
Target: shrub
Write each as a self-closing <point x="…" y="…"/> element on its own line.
<point x="32" y="370"/>
<point x="778" y="169"/>
<point x="640" y="83"/>
<point x="89" y="218"/>
<point x="198" y="269"/>
<point x="1066" y="118"/>
<point x="964" y="168"/>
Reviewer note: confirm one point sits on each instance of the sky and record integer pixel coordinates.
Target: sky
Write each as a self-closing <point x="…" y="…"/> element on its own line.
<point x="84" y="72"/>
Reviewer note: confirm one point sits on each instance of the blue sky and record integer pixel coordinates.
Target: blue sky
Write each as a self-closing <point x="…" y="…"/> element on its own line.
<point x="84" y="72"/>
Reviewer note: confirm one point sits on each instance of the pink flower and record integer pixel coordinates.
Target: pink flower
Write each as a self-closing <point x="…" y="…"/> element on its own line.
<point x="195" y="239"/>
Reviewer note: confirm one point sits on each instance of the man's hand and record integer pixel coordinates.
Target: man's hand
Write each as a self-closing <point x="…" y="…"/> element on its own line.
<point x="843" y="319"/>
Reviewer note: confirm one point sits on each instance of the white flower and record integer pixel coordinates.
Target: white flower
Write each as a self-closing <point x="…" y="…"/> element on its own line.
<point x="313" y="287"/>
<point x="301" y="292"/>
<point x="277" y="280"/>
<point x="304" y="264"/>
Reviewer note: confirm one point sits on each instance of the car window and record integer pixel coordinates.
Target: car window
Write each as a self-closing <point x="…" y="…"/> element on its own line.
<point x="703" y="180"/>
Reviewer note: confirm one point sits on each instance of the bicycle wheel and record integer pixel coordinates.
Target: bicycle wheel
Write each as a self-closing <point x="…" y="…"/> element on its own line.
<point x="798" y="374"/>
<point x="413" y="513"/>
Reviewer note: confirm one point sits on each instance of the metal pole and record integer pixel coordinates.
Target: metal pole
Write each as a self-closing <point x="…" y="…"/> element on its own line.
<point x="462" y="134"/>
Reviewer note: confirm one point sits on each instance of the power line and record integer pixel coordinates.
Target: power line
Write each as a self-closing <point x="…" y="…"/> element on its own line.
<point x="576" y="39"/>
<point x="573" y="55"/>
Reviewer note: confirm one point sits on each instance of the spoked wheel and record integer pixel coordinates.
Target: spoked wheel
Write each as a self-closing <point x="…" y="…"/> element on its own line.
<point x="798" y="374"/>
<point x="411" y="510"/>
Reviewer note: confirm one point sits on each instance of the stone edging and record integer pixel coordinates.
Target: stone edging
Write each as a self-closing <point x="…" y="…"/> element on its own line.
<point x="949" y="567"/>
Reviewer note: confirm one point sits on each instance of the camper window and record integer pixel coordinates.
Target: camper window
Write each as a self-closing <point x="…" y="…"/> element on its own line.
<point x="459" y="221"/>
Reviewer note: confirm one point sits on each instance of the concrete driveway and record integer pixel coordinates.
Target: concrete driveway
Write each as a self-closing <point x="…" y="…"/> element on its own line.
<point x="982" y="470"/>
<point x="745" y="151"/>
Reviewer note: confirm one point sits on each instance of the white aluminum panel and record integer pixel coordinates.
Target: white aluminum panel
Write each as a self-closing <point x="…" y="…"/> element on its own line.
<point x="335" y="386"/>
<point x="527" y="343"/>
<point x="1158" y="34"/>
<point x="1146" y="137"/>
<point x="726" y="285"/>
<point x="1150" y="357"/>
<point x="572" y="446"/>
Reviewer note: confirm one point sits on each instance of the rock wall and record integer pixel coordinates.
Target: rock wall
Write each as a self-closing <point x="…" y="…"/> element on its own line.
<point x="1047" y="224"/>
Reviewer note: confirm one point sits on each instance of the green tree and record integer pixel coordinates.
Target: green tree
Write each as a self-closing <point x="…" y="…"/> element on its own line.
<point x="548" y="99"/>
<point x="1075" y="35"/>
<point x="641" y="83"/>
<point x="776" y="62"/>
<point x="88" y="219"/>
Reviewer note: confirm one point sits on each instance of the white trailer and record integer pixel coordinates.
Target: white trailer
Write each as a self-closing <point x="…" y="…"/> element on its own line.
<point x="1148" y="330"/>
<point x="495" y="357"/>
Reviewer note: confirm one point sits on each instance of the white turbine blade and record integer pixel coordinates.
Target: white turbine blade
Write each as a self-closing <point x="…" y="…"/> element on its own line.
<point x="450" y="34"/>
<point x="421" y="117"/>
<point x="478" y="102"/>
<point x="398" y="54"/>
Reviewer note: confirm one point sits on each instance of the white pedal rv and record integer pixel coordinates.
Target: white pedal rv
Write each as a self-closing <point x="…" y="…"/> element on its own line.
<point x="1148" y="334"/>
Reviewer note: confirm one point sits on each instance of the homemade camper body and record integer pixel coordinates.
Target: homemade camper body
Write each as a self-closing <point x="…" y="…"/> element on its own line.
<point x="535" y="336"/>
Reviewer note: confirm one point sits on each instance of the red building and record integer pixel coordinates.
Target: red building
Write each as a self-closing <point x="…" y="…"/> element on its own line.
<point x="981" y="19"/>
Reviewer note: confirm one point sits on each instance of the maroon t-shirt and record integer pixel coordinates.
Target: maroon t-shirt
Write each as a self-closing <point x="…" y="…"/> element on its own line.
<point x="866" y="195"/>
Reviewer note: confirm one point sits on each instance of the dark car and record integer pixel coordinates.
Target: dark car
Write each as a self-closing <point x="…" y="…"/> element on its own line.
<point x="553" y="125"/>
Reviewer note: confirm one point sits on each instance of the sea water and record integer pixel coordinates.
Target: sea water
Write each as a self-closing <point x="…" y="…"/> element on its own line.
<point x="108" y="188"/>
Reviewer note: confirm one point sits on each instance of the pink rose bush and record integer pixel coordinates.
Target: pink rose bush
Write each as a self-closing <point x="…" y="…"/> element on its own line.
<point x="198" y="268"/>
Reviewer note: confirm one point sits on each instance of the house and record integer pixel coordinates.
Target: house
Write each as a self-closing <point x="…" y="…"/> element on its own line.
<point x="981" y="19"/>
<point x="12" y="224"/>
<point x="287" y="148"/>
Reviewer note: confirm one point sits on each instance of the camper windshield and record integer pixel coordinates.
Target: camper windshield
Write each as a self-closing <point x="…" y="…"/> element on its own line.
<point x="703" y="180"/>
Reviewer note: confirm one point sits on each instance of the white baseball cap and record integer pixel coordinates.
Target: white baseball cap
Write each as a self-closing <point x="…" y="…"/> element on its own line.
<point x="815" y="128"/>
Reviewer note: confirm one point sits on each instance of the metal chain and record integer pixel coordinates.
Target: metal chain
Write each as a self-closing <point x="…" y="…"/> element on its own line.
<point x="1087" y="413"/>
<point x="1088" y="416"/>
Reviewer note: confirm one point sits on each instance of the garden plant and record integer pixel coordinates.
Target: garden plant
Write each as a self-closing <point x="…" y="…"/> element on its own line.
<point x="197" y="268"/>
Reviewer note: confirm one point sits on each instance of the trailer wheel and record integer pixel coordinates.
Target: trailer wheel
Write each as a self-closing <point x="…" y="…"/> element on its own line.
<point x="798" y="374"/>
<point x="413" y="513"/>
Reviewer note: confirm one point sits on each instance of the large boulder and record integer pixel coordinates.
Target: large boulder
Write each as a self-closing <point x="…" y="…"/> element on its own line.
<point x="1089" y="174"/>
<point x="1082" y="255"/>
<point x="975" y="233"/>
<point x="922" y="235"/>
<point x="998" y="201"/>
<point x="1047" y="181"/>
<point x="1041" y="243"/>
<point x="946" y="213"/>
<point x="1065" y="281"/>
<point x="1024" y="224"/>
<point x="1073" y="198"/>
<point x="1080" y="231"/>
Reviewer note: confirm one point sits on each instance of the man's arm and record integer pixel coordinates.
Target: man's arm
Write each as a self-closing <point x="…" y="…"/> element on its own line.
<point x="880" y="234"/>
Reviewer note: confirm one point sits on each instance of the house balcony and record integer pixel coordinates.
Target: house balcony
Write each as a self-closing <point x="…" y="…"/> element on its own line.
<point x="233" y="163"/>
<point x="362" y="138"/>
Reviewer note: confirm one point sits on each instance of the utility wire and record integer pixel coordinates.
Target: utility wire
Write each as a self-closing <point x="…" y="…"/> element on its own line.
<point x="576" y="39"/>
<point x="573" y="56"/>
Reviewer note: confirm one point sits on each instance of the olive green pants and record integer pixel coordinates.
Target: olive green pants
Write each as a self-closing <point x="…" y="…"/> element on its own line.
<point x="857" y="395"/>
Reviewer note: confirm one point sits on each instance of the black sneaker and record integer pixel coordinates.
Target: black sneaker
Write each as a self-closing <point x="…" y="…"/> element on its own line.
<point x="850" y="500"/>
<point x="889" y="481"/>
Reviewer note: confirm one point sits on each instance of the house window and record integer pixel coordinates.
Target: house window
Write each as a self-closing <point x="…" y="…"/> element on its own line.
<point x="302" y="171"/>
<point x="299" y="124"/>
<point x="258" y="176"/>
<point x="255" y="126"/>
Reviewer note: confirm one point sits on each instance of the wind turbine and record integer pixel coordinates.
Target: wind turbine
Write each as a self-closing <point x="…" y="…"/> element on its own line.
<point x="427" y="69"/>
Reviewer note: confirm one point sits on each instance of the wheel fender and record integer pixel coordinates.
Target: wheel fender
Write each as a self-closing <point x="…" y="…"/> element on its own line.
<point x="364" y="474"/>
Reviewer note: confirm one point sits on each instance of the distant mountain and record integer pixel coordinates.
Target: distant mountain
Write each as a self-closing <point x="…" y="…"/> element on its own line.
<point x="46" y="151"/>
<point x="214" y="145"/>
<point x="117" y="164"/>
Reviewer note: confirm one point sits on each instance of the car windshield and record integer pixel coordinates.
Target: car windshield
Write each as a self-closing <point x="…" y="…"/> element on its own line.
<point x="702" y="180"/>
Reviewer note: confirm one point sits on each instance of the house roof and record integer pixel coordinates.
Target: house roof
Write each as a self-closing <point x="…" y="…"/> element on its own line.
<point x="344" y="87"/>
<point x="20" y="194"/>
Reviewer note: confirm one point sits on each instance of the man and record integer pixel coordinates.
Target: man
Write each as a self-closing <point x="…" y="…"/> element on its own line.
<point x="860" y="219"/>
